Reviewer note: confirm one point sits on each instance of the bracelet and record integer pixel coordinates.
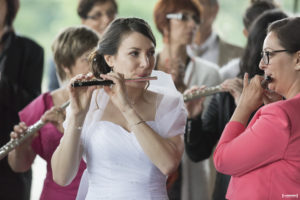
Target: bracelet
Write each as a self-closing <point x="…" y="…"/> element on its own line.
<point x="142" y="121"/>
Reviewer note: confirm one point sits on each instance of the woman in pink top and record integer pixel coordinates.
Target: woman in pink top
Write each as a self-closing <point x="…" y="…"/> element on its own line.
<point x="71" y="49"/>
<point x="263" y="158"/>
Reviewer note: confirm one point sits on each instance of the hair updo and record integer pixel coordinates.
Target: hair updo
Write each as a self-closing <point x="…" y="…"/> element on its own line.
<point x="110" y="42"/>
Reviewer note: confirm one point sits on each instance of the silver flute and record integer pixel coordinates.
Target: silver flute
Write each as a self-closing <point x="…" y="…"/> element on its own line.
<point x="13" y="143"/>
<point x="202" y="93"/>
<point x="216" y="89"/>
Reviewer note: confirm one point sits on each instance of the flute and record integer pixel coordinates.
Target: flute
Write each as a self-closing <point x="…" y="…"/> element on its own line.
<point x="202" y="93"/>
<point x="216" y="89"/>
<point x="264" y="83"/>
<point x="109" y="82"/>
<point x="13" y="143"/>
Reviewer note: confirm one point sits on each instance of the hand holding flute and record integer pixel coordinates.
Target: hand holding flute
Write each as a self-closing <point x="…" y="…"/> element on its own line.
<point x="110" y="79"/>
<point x="234" y="86"/>
<point x="80" y="96"/>
<point x="56" y="115"/>
<point x="193" y="103"/>
<point x="251" y="98"/>
<point x="22" y="154"/>
<point x="194" y="96"/>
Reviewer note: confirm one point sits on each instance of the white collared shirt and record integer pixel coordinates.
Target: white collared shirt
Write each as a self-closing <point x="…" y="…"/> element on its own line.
<point x="209" y="50"/>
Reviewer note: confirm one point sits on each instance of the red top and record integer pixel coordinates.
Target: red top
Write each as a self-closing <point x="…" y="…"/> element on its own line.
<point x="45" y="144"/>
<point x="264" y="158"/>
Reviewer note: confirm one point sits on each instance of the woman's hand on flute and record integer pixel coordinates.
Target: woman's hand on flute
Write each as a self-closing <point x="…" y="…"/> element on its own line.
<point x="80" y="97"/>
<point x="18" y="131"/>
<point x="22" y="156"/>
<point x="117" y="91"/>
<point x="251" y="99"/>
<point x="195" y="106"/>
<point x="252" y="94"/>
<point x="56" y="116"/>
<point x="234" y="87"/>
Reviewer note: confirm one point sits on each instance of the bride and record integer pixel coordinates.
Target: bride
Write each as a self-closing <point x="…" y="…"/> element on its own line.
<point x="130" y="133"/>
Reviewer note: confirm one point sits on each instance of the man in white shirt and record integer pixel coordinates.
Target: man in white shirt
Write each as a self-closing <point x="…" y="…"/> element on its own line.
<point x="198" y="178"/>
<point x="207" y="44"/>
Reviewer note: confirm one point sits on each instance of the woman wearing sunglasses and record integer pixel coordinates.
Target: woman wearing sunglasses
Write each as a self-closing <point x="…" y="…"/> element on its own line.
<point x="178" y="21"/>
<point x="263" y="158"/>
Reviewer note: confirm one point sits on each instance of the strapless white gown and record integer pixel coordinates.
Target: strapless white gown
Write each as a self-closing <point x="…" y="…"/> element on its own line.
<point x="117" y="167"/>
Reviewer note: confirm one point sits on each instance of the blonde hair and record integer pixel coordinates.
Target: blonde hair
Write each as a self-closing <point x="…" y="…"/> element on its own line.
<point x="70" y="44"/>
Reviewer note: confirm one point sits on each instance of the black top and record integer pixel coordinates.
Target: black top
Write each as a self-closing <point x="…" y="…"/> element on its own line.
<point x="21" y="69"/>
<point x="203" y="133"/>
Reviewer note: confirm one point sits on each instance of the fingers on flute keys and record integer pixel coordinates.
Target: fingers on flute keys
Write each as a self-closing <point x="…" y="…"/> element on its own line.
<point x="117" y="78"/>
<point x="18" y="130"/>
<point x="82" y="77"/>
<point x="232" y="84"/>
<point x="55" y="114"/>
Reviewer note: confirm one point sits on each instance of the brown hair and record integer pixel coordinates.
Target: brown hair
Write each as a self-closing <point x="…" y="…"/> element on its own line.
<point x="164" y="7"/>
<point x="288" y="32"/>
<point x="112" y="38"/>
<point x="85" y="6"/>
<point x="252" y="53"/>
<point x="70" y="44"/>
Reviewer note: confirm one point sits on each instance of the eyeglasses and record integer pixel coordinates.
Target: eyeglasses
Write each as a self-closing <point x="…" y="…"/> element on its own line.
<point x="265" y="55"/>
<point x="184" y="17"/>
<point x="110" y="14"/>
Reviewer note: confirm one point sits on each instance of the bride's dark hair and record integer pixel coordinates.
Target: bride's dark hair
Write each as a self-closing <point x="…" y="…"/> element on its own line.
<point x="112" y="38"/>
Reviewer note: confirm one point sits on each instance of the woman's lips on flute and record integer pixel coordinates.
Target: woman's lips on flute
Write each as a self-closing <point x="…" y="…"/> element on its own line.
<point x="264" y="83"/>
<point x="108" y="82"/>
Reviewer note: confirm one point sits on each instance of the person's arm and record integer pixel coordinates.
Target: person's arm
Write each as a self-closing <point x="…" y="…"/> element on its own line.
<point x="165" y="153"/>
<point x="204" y="131"/>
<point x="66" y="158"/>
<point x="241" y="150"/>
<point x="264" y="141"/>
<point x="202" y="134"/>
<point x="22" y="157"/>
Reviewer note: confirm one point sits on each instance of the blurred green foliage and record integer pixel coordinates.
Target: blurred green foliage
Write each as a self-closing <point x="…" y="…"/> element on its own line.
<point x="42" y="20"/>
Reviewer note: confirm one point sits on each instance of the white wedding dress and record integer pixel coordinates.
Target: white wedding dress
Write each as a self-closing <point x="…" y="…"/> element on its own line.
<point x="117" y="167"/>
